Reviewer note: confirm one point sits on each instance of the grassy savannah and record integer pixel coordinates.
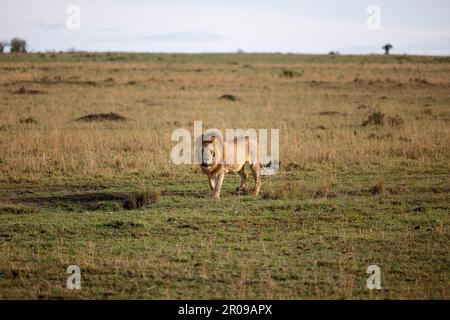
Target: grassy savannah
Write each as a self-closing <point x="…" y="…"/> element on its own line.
<point x="85" y="177"/>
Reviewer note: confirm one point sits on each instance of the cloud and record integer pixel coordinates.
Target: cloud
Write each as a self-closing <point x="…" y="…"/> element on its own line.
<point x="191" y="36"/>
<point x="108" y="29"/>
<point x="48" y="26"/>
<point x="188" y="36"/>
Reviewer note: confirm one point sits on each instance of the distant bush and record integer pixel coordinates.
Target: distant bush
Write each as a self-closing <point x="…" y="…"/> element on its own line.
<point x="291" y="73"/>
<point x="378" y="188"/>
<point x="18" y="45"/>
<point x="289" y="190"/>
<point x="140" y="200"/>
<point x="323" y="191"/>
<point x="395" y="121"/>
<point x="375" y="118"/>
<point x="3" y="45"/>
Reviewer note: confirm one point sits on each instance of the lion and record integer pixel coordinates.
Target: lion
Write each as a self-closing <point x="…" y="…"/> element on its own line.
<point x="215" y="165"/>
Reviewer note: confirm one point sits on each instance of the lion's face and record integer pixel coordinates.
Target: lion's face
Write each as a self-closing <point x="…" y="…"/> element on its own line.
<point x="208" y="154"/>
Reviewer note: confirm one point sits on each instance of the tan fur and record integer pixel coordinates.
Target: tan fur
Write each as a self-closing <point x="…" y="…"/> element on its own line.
<point x="216" y="171"/>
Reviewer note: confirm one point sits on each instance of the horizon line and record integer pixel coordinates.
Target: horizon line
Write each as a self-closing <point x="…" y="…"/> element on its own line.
<point x="331" y="53"/>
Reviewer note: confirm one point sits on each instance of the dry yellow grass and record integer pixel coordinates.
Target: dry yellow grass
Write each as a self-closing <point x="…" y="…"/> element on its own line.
<point x="168" y="95"/>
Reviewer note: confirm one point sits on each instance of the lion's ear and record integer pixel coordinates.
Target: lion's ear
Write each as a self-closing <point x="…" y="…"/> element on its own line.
<point x="213" y="138"/>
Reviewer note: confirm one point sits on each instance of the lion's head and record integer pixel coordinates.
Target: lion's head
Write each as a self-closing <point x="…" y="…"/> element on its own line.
<point x="210" y="154"/>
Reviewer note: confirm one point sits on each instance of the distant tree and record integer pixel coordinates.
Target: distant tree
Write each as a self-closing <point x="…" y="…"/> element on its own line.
<point x="18" y="45"/>
<point x="387" y="47"/>
<point x="3" y="45"/>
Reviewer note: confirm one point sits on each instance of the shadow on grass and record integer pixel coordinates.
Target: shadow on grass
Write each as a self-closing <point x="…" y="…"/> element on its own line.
<point x="92" y="201"/>
<point x="83" y="197"/>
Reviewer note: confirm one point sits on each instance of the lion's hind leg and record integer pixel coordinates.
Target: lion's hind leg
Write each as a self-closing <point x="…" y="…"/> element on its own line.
<point x="256" y="171"/>
<point x="243" y="185"/>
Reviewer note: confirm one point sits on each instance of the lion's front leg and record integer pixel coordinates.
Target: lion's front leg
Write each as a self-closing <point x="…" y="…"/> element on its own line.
<point x="212" y="183"/>
<point x="218" y="186"/>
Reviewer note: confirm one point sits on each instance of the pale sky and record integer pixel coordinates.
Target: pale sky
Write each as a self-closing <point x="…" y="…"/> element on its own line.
<point x="319" y="26"/>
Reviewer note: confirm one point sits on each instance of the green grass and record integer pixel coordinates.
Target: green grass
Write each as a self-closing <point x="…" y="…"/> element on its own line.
<point x="189" y="246"/>
<point x="236" y="58"/>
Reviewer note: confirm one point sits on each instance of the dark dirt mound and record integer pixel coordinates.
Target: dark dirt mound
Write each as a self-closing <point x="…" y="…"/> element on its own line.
<point x="24" y="90"/>
<point x="16" y="209"/>
<point x="331" y="113"/>
<point x="119" y="224"/>
<point x="29" y="120"/>
<point x="102" y="117"/>
<point x="228" y="97"/>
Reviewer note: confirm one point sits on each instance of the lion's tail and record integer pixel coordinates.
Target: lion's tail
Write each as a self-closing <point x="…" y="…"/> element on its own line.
<point x="271" y="168"/>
